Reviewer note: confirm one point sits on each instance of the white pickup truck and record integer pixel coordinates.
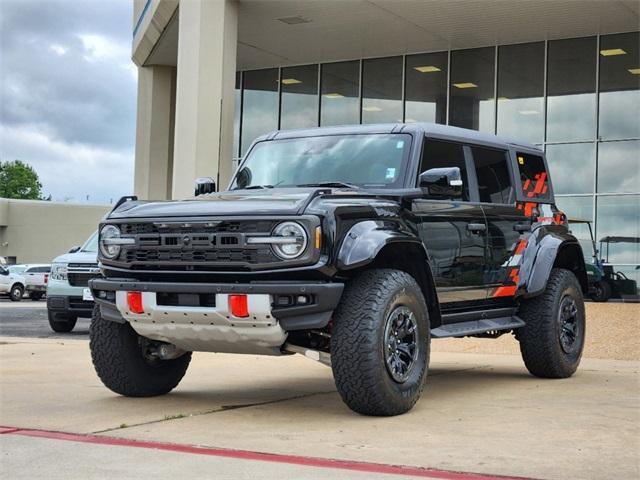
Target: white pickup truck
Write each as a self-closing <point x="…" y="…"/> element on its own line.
<point x="15" y="280"/>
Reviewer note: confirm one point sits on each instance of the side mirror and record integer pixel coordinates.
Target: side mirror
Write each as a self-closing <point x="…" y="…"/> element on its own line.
<point x="74" y="249"/>
<point x="443" y="182"/>
<point x="204" y="185"/>
<point x="4" y="271"/>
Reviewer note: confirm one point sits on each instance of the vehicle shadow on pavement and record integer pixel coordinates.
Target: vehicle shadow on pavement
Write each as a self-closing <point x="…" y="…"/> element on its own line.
<point x="308" y="395"/>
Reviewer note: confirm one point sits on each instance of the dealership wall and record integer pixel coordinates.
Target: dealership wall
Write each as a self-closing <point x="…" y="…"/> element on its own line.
<point x="36" y="231"/>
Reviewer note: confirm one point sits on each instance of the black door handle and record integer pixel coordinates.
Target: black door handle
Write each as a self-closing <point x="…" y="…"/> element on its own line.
<point x="476" y="227"/>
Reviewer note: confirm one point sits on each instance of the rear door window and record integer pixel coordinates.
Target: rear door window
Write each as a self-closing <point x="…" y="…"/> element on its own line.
<point x="492" y="171"/>
<point x="534" y="179"/>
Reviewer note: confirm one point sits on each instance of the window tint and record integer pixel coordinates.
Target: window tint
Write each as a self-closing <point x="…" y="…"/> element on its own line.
<point x="494" y="183"/>
<point x="572" y="167"/>
<point x="299" y="107"/>
<point x="260" y="105"/>
<point x="340" y="93"/>
<point x="382" y="90"/>
<point x="521" y="91"/>
<point x="438" y="154"/>
<point x="534" y="178"/>
<point x="426" y="88"/>
<point x="620" y="86"/>
<point x="471" y="102"/>
<point x="571" y="86"/>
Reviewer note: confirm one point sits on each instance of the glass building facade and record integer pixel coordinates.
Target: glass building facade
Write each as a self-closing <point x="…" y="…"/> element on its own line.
<point x="578" y="99"/>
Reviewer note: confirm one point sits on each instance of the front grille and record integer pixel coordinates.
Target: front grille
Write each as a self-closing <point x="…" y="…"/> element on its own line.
<point x="80" y="279"/>
<point x="198" y="226"/>
<point x="79" y="274"/>
<point x="186" y="245"/>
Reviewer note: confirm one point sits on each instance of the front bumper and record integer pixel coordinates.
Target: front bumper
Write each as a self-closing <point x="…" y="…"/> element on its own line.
<point x="214" y="328"/>
<point x="72" y="304"/>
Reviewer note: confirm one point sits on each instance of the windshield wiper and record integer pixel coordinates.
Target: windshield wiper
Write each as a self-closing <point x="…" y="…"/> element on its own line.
<point x="329" y="184"/>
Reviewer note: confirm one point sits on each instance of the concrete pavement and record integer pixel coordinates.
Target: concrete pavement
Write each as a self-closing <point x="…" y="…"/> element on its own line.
<point x="479" y="413"/>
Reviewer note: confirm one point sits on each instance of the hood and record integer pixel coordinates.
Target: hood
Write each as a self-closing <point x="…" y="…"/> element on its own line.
<point x="78" y="257"/>
<point x="290" y="201"/>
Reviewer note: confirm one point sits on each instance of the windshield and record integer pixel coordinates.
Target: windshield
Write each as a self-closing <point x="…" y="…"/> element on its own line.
<point x="16" y="269"/>
<point x="91" y="245"/>
<point x="372" y="160"/>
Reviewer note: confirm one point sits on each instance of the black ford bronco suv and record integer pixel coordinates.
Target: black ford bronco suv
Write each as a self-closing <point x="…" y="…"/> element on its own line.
<point x="352" y="245"/>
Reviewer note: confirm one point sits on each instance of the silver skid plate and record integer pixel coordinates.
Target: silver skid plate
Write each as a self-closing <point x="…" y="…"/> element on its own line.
<point x="208" y="329"/>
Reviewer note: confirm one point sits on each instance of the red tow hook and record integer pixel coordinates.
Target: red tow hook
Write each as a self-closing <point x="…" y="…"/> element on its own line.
<point x="134" y="300"/>
<point x="238" y="306"/>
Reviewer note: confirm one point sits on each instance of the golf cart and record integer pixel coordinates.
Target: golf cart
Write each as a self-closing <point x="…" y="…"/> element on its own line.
<point x="604" y="282"/>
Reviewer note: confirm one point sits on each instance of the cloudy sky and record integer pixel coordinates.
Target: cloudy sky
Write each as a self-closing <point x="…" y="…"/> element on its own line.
<point x="68" y="94"/>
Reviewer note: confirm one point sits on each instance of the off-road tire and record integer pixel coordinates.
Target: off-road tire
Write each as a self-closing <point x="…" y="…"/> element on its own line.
<point x="118" y="360"/>
<point x="17" y="291"/>
<point x="35" y="296"/>
<point x="540" y="343"/>
<point x="357" y="343"/>
<point x="61" y="322"/>
<point x="601" y="291"/>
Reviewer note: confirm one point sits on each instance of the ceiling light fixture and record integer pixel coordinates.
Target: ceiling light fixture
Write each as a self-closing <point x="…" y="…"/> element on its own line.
<point x="372" y="109"/>
<point x="427" y="69"/>
<point x="465" y="85"/>
<point x="290" y="81"/>
<point x="634" y="71"/>
<point x="612" y="51"/>
<point x="333" y="95"/>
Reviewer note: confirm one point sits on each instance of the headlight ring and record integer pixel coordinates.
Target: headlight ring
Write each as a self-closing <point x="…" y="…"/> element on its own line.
<point x="109" y="245"/>
<point x="286" y="230"/>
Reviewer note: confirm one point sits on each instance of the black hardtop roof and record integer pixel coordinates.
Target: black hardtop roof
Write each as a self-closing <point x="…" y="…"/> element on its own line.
<point x="429" y="129"/>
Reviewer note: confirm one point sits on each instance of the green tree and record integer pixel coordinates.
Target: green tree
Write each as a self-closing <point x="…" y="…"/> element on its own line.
<point x="19" y="180"/>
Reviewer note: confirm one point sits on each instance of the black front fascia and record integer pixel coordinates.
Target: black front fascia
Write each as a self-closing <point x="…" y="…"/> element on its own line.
<point x="152" y="254"/>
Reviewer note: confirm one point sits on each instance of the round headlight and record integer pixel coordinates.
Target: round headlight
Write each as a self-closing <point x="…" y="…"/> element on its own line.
<point x="107" y="235"/>
<point x="294" y="240"/>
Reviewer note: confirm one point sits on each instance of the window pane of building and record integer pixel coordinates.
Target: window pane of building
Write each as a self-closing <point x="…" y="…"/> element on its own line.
<point x="494" y="180"/>
<point x="620" y="86"/>
<point x="572" y="167"/>
<point x="571" y="84"/>
<point x="472" y="89"/>
<point x="236" y="118"/>
<point x="426" y="88"/>
<point x="619" y="167"/>
<point x="299" y="97"/>
<point x="619" y="215"/>
<point x="340" y="102"/>
<point x="579" y="208"/>
<point x="382" y="90"/>
<point x="521" y="91"/>
<point x="260" y="105"/>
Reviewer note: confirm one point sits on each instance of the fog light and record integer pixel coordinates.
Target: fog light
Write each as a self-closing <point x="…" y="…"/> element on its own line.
<point x="238" y="306"/>
<point x="134" y="300"/>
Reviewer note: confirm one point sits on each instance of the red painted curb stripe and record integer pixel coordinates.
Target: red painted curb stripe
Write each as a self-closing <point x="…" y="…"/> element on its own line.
<point x="8" y="430"/>
<point x="259" y="456"/>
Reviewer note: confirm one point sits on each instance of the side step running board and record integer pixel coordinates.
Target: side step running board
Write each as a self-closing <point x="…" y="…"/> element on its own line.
<point x="477" y="326"/>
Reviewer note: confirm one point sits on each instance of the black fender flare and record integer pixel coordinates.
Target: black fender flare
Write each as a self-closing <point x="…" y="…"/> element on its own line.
<point x="545" y="250"/>
<point x="372" y="242"/>
<point x="366" y="239"/>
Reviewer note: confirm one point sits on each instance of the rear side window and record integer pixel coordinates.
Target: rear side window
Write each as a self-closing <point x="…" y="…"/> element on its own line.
<point x="494" y="181"/>
<point x="534" y="178"/>
<point x="437" y="154"/>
